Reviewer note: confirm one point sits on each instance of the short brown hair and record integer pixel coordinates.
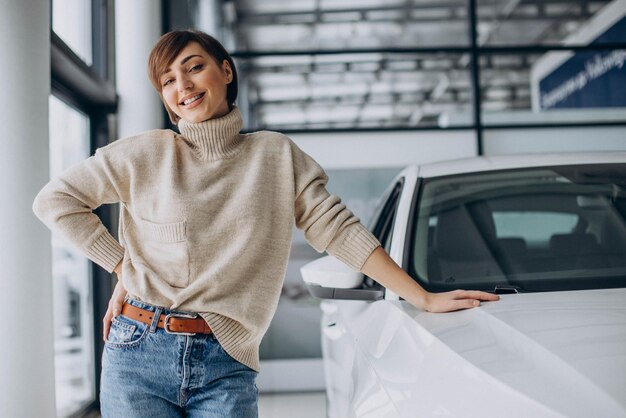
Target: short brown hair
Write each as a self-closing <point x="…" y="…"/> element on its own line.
<point x="169" y="46"/>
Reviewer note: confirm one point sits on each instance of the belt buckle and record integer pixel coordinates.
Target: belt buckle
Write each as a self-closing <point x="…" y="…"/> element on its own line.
<point x="177" y="315"/>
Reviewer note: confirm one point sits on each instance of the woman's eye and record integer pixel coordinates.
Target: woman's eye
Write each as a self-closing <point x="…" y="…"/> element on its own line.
<point x="199" y="66"/>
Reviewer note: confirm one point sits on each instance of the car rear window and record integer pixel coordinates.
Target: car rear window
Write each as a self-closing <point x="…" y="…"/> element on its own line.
<point x="548" y="228"/>
<point x="534" y="227"/>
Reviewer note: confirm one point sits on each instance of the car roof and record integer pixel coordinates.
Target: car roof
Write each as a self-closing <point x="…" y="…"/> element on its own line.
<point x="503" y="162"/>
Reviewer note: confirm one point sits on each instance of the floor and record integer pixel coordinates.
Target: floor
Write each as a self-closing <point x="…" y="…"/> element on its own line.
<point x="289" y="405"/>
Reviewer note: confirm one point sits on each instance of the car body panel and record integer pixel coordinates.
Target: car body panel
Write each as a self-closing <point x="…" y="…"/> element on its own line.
<point x="403" y="370"/>
<point x="542" y="354"/>
<point x="565" y="349"/>
<point x="506" y="162"/>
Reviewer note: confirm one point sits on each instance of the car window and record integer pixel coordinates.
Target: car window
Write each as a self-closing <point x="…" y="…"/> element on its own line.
<point x="534" y="227"/>
<point x="549" y="228"/>
<point x="383" y="227"/>
<point x="383" y="221"/>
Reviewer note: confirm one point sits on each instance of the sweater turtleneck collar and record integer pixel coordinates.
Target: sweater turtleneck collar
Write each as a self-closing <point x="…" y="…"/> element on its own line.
<point x="214" y="139"/>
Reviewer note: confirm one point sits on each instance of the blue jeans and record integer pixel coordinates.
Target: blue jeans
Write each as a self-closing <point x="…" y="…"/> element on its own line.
<point x="147" y="372"/>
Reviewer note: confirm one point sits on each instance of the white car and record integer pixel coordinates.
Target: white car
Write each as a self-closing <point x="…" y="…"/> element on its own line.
<point x="547" y="233"/>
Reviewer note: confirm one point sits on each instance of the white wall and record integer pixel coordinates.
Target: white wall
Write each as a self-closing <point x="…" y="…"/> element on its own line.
<point x="397" y="149"/>
<point x="385" y="149"/>
<point x="137" y="28"/>
<point x="26" y="345"/>
<point x="509" y="141"/>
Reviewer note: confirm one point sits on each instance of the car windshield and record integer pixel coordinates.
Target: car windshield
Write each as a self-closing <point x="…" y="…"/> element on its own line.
<point x="538" y="229"/>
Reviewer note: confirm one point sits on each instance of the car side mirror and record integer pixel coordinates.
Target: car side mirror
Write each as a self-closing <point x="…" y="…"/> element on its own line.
<point x="329" y="278"/>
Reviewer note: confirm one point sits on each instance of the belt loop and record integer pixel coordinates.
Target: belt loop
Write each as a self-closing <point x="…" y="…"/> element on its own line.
<point x="155" y="319"/>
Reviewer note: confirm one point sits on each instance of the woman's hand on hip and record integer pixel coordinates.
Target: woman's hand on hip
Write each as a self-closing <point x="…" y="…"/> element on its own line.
<point x="115" y="307"/>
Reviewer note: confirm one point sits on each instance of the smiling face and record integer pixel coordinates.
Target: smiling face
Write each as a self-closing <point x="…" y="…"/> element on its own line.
<point x="194" y="85"/>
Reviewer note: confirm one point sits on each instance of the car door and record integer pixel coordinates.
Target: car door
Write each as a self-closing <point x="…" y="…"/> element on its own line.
<point x="343" y="364"/>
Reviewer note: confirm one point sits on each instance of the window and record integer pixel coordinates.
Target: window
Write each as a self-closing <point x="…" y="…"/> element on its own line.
<point x="535" y="228"/>
<point x="71" y="274"/>
<point x="83" y="98"/>
<point x="71" y="21"/>
<point x="383" y="230"/>
<point x="553" y="228"/>
<point x="482" y="65"/>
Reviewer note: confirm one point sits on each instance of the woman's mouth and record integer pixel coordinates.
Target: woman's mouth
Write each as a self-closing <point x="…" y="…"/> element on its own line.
<point x="194" y="101"/>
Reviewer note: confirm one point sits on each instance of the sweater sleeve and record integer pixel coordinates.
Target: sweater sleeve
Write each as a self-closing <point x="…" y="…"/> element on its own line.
<point x="327" y="223"/>
<point x="65" y="206"/>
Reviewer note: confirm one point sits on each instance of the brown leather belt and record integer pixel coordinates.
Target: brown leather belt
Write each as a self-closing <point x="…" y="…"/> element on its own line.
<point x="173" y="323"/>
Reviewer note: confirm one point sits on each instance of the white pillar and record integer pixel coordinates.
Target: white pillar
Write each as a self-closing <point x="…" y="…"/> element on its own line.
<point x="206" y="19"/>
<point x="26" y="345"/>
<point x="137" y="28"/>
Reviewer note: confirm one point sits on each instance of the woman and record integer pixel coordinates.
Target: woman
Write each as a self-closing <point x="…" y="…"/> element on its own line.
<point x="205" y="231"/>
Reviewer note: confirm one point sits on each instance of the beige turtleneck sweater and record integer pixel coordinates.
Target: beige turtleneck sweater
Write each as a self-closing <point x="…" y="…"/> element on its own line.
<point x="206" y="221"/>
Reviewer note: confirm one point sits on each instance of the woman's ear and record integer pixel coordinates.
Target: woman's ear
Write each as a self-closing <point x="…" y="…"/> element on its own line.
<point x="228" y="71"/>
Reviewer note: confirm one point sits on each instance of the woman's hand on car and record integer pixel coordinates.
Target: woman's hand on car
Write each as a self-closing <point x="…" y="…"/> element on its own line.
<point x="456" y="300"/>
<point x="385" y="271"/>
<point x="115" y="304"/>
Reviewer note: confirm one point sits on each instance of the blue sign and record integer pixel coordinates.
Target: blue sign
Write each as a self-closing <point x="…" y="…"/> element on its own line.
<point x="589" y="79"/>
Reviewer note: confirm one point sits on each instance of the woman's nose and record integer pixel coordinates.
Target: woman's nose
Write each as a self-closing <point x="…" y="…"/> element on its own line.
<point x="184" y="84"/>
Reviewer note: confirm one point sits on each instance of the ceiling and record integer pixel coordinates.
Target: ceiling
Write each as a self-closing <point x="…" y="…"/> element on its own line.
<point x="331" y="64"/>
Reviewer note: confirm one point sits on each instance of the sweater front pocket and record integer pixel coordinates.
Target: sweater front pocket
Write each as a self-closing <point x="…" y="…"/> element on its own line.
<point x="166" y="251"/>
